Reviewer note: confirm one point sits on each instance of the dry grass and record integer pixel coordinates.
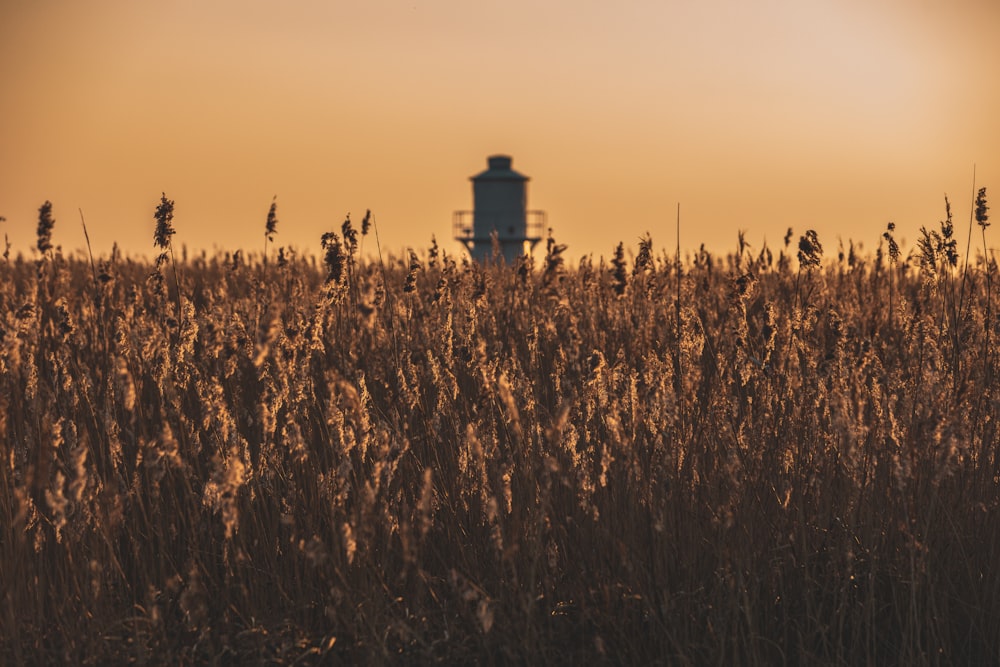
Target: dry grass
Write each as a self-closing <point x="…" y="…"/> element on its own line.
<point x="230" y="461"/>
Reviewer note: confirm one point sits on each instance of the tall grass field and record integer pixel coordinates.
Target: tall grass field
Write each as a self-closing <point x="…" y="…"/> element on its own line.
<point x="781" y="456"/>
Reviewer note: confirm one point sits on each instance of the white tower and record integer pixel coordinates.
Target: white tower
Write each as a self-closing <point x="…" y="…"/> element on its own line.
<point x="499" y="197"/>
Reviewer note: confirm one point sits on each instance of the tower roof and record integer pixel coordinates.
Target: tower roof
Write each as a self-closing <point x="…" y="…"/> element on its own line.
<point x="499" y="170"/>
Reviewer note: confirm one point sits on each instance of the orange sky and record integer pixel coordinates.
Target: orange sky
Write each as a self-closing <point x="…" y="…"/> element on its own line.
<point x="837" y="115"/>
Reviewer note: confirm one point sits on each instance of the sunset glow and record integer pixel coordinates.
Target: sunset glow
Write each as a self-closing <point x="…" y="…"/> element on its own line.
<point x="836" y="116"/>
<point x="499" y="332"/>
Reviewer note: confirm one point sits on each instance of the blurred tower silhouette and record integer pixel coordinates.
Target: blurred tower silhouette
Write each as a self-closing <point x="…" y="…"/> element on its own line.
<point x="499" y="197"/>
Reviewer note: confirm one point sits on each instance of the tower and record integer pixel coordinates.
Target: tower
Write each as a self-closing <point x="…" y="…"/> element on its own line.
<point x="499" y="197"/>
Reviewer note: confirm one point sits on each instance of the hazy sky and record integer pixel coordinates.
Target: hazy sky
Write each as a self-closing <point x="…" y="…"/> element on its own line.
<point x="838" y="115"/>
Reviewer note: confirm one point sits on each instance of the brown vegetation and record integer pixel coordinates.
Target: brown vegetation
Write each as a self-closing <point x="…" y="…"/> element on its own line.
<point x="235" y="460"/>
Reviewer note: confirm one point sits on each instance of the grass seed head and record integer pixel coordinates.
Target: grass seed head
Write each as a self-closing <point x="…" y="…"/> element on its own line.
<point x="45" y="224"/>
<point x="644" y="260"/>
<point x="982" y="219"/>
<point x="333" y="257"/>
<point x="272" y="220"/>
<point x="411" y="276"/>
<point x="366" y="223"/>
<point x="619" y="274"/>
<point x="164" y="216"/>
<point x="810" y="250"/>
<point x="350" y="235"/>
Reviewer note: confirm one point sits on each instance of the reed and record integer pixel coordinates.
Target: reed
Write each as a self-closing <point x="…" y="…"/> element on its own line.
<point x="420" y="459"/>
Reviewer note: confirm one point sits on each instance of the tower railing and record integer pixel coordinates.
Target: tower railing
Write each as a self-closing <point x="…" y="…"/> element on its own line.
<point x="463" y="228"/>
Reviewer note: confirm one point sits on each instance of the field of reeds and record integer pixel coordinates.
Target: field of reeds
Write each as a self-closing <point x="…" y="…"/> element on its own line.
<point x="783" y="456"/>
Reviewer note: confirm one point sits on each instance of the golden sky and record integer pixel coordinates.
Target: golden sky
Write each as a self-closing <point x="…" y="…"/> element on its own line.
<point x="837" y="115"/>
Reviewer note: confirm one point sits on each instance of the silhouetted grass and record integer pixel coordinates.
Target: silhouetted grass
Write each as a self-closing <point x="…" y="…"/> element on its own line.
<point x="423" y="459"/>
